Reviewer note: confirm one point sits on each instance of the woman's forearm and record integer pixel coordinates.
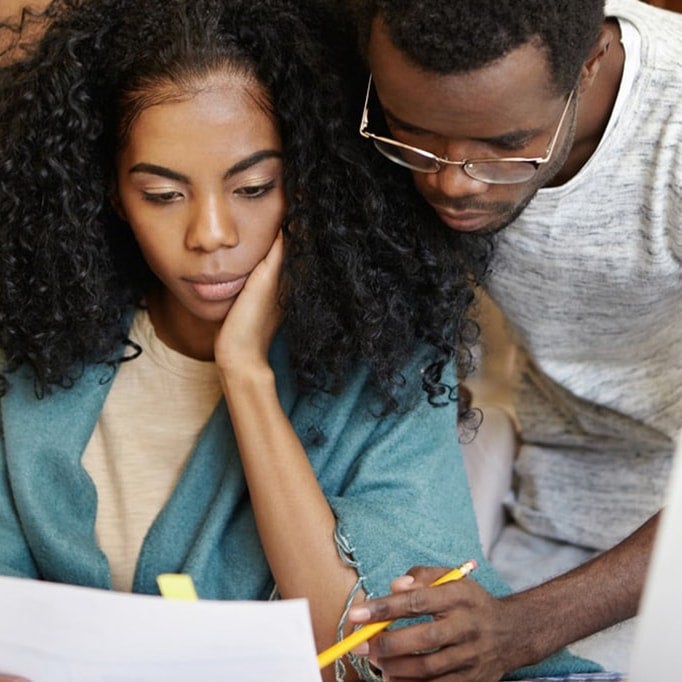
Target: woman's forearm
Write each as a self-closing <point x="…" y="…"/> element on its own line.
<point x="295" y="522"/>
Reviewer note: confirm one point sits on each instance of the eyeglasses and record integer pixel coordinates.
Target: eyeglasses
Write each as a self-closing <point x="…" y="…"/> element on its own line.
<point x="503" y="171"/>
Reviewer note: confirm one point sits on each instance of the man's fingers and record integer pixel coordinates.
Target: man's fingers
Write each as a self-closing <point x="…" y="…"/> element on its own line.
<point x="412" y="603"/>
<point x="405" y="582"/>
<point x="422" y="637"/>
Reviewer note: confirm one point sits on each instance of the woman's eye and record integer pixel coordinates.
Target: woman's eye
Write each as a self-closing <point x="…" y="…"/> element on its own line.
<point x="255" y="191"/>
<point x="162" y="197"/>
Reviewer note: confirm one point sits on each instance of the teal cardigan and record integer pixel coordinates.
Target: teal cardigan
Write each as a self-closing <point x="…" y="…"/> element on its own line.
<point x="396" y="484"/>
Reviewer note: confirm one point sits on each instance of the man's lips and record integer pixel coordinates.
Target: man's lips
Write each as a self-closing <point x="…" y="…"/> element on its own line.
<point x="217" y="287"/>
<point x="464" y="220"/>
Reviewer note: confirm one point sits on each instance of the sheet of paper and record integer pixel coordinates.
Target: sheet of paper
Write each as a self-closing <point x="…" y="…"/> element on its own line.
<point x="62" y="633"/>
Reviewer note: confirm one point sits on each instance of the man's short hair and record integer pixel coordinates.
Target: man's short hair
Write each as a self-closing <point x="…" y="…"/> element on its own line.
<point x="459" y="36"/>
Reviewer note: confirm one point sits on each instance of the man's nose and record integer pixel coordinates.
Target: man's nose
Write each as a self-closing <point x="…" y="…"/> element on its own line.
<point x="453" y="181"/>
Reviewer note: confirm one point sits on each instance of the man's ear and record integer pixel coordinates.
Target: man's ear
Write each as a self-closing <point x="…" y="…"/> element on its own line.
<point x="593" y="62"/>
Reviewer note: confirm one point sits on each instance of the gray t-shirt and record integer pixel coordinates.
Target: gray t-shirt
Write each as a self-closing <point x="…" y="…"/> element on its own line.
<point x="590" y="279"/>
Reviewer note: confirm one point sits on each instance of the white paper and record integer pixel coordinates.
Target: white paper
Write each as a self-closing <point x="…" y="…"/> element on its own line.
<point x="62" y="633"/>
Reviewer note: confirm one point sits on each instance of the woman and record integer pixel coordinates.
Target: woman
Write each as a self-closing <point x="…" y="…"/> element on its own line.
<point x="209" y="363"/>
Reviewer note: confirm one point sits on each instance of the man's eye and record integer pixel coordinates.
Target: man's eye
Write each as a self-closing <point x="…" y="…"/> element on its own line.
<point x="162" y="197"/>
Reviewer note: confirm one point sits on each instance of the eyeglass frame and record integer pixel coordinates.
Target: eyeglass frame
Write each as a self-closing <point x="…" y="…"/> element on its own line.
<point x="441" y="162"/>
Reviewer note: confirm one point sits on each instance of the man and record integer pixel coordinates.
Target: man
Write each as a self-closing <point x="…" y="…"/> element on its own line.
<point x="559" y="128"/>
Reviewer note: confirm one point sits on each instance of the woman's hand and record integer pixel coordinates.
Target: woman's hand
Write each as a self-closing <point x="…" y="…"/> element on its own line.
<point x="295" y="523"/>
<point x="244" y="339"/>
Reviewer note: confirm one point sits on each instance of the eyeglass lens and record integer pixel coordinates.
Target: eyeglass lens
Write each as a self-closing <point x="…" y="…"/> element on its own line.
<point x="493" y="172"/>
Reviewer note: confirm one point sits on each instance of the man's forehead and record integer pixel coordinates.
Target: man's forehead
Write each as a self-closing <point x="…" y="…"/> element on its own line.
<point x="527" y="61"/>
<point x="512" y="91"/>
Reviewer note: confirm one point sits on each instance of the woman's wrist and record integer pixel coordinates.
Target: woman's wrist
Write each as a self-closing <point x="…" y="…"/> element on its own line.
<point x="246" y="376"/>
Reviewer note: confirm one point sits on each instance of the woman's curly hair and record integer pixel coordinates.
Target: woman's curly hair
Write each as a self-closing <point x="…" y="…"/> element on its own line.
<point x="372" y="272"/>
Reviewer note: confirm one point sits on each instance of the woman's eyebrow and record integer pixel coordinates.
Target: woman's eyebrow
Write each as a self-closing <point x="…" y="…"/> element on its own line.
<point x="163" y="172"/>
<point x="252" y="160"/>
<point x="239" y="167"/>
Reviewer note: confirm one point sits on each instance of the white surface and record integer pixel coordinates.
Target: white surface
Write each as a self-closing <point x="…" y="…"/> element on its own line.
<point x="489" y="461"/>
<point x="62" y="633"/>
<point x="656" y="652"/>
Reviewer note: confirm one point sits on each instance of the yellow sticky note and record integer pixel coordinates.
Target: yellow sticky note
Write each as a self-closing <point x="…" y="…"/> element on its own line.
<point x="176" y="586"/>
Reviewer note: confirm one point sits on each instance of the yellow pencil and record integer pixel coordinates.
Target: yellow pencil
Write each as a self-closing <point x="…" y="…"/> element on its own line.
<point x="328" y="656"/>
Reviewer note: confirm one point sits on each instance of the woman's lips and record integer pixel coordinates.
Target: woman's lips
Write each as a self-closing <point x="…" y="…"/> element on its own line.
<point x="217" y="288"/>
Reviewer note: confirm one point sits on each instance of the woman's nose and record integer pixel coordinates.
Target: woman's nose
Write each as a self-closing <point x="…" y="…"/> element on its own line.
<point x="212" y="227"/>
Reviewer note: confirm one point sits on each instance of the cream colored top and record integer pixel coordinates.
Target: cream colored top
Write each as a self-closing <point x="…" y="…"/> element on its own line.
<point x="157" y="406"/>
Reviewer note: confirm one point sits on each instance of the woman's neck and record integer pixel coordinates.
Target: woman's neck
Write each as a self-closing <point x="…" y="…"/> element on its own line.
<point x="178" y="329"/>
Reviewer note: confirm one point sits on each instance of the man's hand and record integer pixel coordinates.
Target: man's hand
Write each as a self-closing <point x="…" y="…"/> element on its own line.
<point x="467" y="639"/>
<point x="475" y="637"/>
